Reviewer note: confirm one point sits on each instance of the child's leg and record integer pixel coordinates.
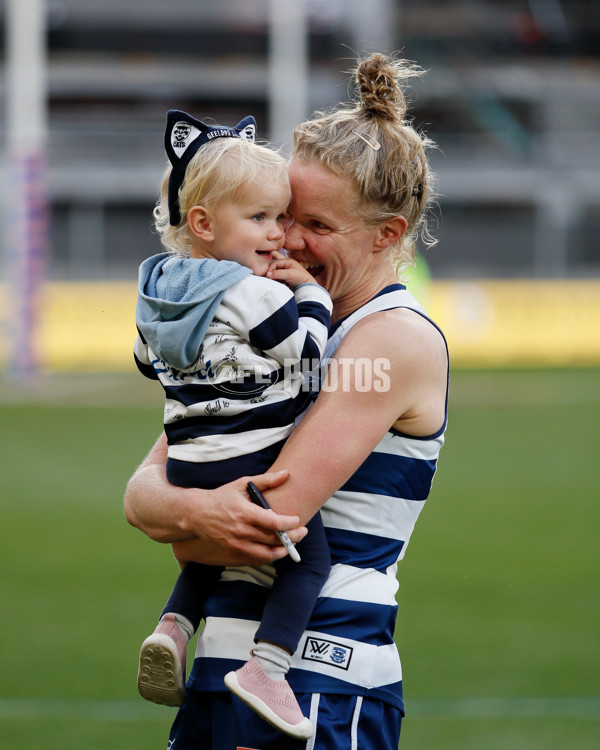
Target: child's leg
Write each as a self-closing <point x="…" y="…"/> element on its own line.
<point x="295" y="590"/>
<point x="191" y="591"/>
<point x="161" y="673"/>
<point x="261" y="682"/>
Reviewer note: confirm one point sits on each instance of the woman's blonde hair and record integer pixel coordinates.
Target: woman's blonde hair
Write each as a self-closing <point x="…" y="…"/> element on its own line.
<point x="221" y="170"/>
<point x="371" y="142"/>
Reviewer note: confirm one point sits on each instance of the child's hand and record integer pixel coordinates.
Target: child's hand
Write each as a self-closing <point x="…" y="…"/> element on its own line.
<point x="288" y="270"/>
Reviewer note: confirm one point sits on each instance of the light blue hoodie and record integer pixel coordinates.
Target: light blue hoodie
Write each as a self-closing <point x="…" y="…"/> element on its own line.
<point x="177" y="299"/>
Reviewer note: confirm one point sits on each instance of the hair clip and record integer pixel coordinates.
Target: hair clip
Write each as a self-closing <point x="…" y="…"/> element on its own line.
<point x="184" y="136"/>
<point x="417" y="189"/>
<point x="375" y="145"/>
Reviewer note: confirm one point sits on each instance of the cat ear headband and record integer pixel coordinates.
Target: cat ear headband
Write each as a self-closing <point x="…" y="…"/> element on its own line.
<point x="184" y="135"/>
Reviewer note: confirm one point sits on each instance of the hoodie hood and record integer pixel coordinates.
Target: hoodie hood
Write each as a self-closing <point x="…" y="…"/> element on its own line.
<point x="177" y="299"/>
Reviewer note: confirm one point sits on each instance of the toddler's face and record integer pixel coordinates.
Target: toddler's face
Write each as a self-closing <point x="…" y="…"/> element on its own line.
<point x="248" y="229"/>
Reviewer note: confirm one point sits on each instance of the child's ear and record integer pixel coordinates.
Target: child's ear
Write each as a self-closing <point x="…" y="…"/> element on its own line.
<point x="199" y="222"/>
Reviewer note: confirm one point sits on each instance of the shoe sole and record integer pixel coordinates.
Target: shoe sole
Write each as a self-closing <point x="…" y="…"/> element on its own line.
<point x="160" y="679"/>
<point x="302" y="731"/>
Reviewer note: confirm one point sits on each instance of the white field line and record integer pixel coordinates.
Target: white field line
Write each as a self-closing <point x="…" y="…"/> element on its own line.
<point x="491" y="708"/>
<point x="435" y="708"/>
<point x="72" y="708"/>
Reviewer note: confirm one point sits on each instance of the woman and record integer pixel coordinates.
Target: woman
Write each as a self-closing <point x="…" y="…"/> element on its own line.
<point x="365" y="453"/>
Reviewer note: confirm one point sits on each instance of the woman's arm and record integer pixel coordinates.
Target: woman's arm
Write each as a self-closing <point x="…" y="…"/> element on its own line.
<point x="225" y="526"/>
<point x="346" y="422"/>
<point x="338" y="433"/>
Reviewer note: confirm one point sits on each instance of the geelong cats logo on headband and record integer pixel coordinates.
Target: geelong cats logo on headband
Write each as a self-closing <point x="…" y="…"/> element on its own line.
<point x="182" y="135"/>
<point x="183" y="131"/>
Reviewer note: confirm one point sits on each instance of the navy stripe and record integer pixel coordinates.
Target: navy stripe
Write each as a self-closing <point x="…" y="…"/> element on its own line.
<point x="213" y="474"/>
<point x="142" y="339"/>
<point x="386" y="290"/>
<point x="313" y="309"/>
<point x="207" y="676"/>
<point x="394" y="476"/>
<point x="276" y="328"/>
<point x="248" y="387"/>
<point x="310" y="354"/>
<point x="343" y="618"/>
<point x="360" y="621"/>
<point x="362" y="550"/>
<point x="305" y="681"/>
<point x="270" y="415"/>
<point x="239" y="599"/>
<point x="146" y="369"/>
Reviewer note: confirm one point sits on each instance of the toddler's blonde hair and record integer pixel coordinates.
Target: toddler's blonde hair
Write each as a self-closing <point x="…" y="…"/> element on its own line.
<point x="221" y="170"/>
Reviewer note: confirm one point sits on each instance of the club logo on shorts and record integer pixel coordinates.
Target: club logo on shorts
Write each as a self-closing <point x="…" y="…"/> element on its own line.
<point x="327" y="652"/>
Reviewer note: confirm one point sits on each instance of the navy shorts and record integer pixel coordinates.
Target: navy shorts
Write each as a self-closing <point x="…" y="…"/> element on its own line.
<point x="220" y="721"/>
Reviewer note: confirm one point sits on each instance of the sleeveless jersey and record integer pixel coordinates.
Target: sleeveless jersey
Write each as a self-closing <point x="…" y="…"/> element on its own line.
<point x="348" y="647"/>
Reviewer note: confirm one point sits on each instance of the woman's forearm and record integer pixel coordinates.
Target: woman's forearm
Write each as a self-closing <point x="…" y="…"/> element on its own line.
<point x="155" y="506"/>
<point x="215" y="527"/>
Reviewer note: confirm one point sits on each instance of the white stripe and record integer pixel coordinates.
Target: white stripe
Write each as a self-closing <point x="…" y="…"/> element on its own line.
<point x="344" y="582"/>
<point x="556" y="707"/>
<point x="262" y="575"/>
<point x="361" y="585"/>
<point x="229" y="638"/>
<point x="354" y="728"/>
<point x="175" y="411"/>
<point x="379" y="515"/>
<point x="313" y="293"/>
<point x="314" y="718"/>
<point x="400" y="445"/>
<point x="141" y="351"/>
<point x="212" y="642"/>
<point x="219" y="447"/>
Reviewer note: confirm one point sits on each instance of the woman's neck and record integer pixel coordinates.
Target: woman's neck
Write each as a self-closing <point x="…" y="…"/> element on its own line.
<point x="361" y="293"/>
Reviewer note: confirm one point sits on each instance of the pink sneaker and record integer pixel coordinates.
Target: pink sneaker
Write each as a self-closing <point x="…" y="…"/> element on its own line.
<point x="161" y="674"/>
<point x="271" y="699"/>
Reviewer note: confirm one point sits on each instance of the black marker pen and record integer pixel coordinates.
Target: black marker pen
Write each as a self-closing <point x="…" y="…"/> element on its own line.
<point x="257" y="497"/>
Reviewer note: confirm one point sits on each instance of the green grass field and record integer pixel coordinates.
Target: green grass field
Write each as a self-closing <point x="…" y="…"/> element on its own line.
<point x="499" y="606"/>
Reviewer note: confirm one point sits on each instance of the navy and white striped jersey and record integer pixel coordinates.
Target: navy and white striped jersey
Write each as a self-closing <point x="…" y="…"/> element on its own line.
<point x="229" y="413"/>
<point x="348" y="647"/>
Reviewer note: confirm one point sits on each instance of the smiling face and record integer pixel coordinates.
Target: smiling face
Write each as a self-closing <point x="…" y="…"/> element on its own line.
<point x="330" y="239"/>
<point x="246" y="229"/>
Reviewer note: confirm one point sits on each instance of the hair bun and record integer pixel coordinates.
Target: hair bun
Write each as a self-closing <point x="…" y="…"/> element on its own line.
<point x="381" y="80"/>
<point x="380" y="94"/>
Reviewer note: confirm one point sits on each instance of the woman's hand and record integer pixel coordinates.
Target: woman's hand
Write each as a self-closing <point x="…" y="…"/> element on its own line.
<point x="229" y="529"/>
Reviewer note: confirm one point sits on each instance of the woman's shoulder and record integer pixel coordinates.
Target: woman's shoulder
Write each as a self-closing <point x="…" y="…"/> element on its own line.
<point x="396" y="324"/>
<point x="400" y="334"/>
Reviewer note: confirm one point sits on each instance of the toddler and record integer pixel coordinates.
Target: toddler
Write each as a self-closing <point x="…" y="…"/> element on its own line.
<point x="228" y="345"/>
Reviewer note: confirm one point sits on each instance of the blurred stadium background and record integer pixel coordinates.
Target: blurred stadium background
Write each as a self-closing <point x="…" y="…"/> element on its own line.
<point x="499" y="595"/>
<point x="512" y="98"/>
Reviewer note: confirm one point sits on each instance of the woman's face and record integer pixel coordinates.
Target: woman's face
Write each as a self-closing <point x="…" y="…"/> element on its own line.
<point x="328" y="236"/>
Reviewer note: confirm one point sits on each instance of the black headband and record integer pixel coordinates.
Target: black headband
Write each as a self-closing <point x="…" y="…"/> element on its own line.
<point x="184" y="135"/>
